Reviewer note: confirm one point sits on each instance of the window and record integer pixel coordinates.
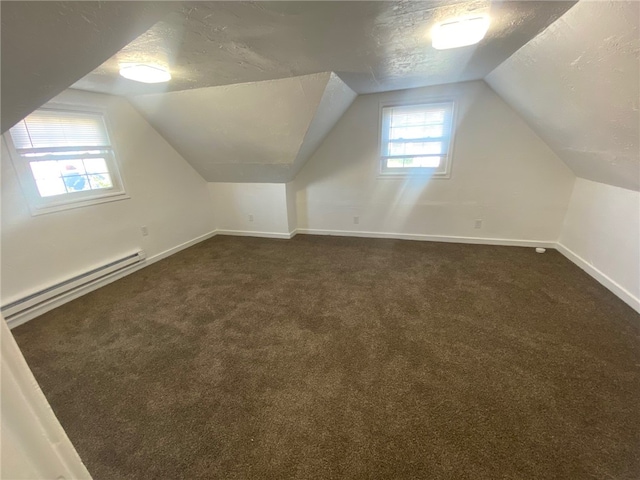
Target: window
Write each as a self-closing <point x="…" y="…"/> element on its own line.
<point x="64" y="159"/>
<point x="416" y="139"/>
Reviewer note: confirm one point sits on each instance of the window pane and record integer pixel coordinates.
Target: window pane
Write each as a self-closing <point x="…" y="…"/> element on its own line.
<point x="95" y="165"/>
<point x="414" y="162"/>
<point x="423" y="131"/>
<point x="48" y="187"/>
<point x="77" y="183"/>
<point x="428" y="162"/>
<point x="100" y="181"/>
<point x="424" y="148"/>
<point x="415" y="116"/>
<point x="71" y="167"/>
<point x="406" y="120"/>
<point x="411" y="162"/>
<point x="395" y="163"/>
<point x="415" y="148"/>
<point x="45" y="170"/>
<point x="396" y="148"/>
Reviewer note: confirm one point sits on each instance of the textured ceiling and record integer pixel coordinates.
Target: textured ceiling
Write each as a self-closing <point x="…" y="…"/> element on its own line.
<point x="578" y="86"/>
<point x="46" y="46"/>
<point x="373" y="46"/>
<point x="251" y="132"/>
<point x="247" y="104"/>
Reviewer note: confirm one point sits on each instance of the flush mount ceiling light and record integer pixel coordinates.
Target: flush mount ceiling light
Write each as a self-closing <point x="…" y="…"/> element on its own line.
<point x="141" y="72"/>
<point x="459" y="32"/>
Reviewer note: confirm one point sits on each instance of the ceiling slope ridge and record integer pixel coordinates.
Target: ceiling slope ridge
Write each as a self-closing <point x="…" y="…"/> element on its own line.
<point x="336" y="100"/>
<point x="577" y="85"/>
<point x="256" y="132"/>
<point x="228" y="86"/>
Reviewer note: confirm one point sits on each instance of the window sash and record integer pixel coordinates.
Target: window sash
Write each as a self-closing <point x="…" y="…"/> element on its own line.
<point x="415" y="156"/>
<point x="387" y="114"/>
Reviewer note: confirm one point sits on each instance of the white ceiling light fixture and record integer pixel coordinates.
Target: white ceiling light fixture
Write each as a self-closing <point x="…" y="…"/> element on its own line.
<point x="142" y="72"/>
<point x="459" y="32"/>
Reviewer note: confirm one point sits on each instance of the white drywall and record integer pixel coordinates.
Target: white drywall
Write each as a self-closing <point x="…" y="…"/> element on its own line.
<point x="578" y="86"/>
<point x="292" y="213"/>
<point x="502" y="173"/>
<point x="601" y="233"/>
<point x="33" y="444"/>
<point x="167" y="195"/>
<point x="255" y="209"/>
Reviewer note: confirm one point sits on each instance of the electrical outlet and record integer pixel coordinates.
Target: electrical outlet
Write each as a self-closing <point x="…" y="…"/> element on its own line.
<point x="251" y="218"/>
<point x="356" y="220"/>
<point x="144" y="230"/>
<point x="478" y="224"/>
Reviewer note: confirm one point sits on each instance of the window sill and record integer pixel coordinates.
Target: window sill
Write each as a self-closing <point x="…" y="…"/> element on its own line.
<point x="429" y="175"/>
<point x="45" y="209"/>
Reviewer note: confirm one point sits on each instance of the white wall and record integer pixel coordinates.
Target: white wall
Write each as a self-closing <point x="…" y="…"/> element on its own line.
<point x="292" y="212"/>
<point x="167" y="195"/>
<point x="265" y="203"/>
<point x="33" y="444"/>
<point x="601" y="233"/>
<point x="502" y="173"/>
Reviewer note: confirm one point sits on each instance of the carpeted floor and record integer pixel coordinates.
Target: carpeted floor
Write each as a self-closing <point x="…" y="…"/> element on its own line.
<point x="327" y="358"/>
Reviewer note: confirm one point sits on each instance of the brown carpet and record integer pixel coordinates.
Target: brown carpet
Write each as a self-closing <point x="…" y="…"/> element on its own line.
<point x="322" y="358"/>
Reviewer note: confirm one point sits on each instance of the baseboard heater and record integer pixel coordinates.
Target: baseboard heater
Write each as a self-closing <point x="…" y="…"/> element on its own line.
<point x="68" y="287"/>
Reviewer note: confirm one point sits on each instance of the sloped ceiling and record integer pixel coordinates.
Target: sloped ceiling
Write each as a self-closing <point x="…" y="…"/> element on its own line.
<point x="46" y="46"/>
<point x="373" y="46"/>
<point x="251" y="132"/>
<point x="578" y="86"/>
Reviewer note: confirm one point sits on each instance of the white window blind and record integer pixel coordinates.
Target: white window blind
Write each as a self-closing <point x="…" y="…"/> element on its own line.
<point x="56" y="128"/>
<point x="416" y="137"/>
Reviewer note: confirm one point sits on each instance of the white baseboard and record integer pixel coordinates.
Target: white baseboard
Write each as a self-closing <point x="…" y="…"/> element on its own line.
<point x="614" y="287"/>
<point x="44" y="307"/>
<point x="624" y="295"/>
<point x="182" y="246"/>
<point x="431" y="238"/>
<point x="248" y="233"/>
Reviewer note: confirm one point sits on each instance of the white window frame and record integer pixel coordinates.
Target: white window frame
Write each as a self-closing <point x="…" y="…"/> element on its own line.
<point x="39" y="205"/>
<point x="443" y="172"/>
